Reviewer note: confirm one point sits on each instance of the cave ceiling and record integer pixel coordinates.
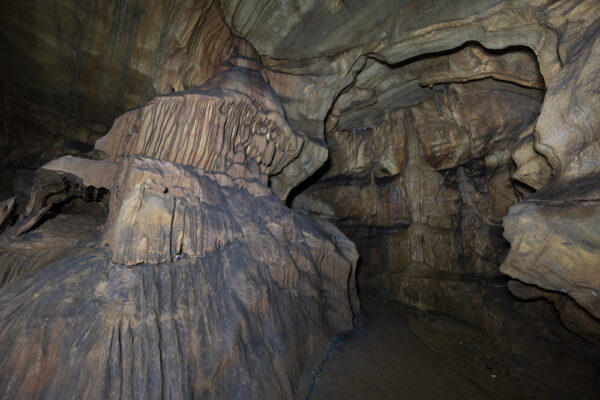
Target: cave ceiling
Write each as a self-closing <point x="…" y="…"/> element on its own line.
<point x="83" y="64"/>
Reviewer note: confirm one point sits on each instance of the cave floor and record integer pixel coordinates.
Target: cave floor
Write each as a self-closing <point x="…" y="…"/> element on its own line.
<point x="397" y="352"/>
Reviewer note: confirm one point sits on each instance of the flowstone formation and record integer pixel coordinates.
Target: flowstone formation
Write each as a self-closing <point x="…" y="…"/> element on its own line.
<point x="190" y="278"/>
<point x="76" y="66"/>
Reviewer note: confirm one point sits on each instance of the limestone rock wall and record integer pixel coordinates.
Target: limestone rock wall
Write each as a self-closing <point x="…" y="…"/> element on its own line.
<point x="234" y="323"/>
<point x="552" y="234"/>
<point x="197" y="281"/>
<point x="72" y="67"/>
<point x="428" y="185"/>
<point x="426" y="140"/>
<point x="233" y="116"/>
<point x="477" y="124"/>
<point x="109" y="57"/>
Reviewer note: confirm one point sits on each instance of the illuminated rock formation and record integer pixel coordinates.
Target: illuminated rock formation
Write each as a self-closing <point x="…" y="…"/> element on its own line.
<point x="456" y="144"/>
<point x="208" y="278"/>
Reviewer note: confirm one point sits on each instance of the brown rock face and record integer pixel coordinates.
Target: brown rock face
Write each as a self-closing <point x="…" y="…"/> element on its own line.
<point x="84" y="64"/>
<point x="555" y="243"/>
<point x="207" y="127"/>
<point x="177" y="330"/>
<point x="425" y="189"/>
<point x="553" y="234"/>
<point x="481" y="146"/>
<point x="163" y="209"/>
<point x="207" y="279"/>
<point x="6" y="209"/>
<point x="454" y="143"/>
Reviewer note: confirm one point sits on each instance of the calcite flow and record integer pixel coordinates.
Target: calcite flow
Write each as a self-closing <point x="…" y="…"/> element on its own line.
<point x="198" y="270"/>
<point x="232" y="128"/>
<point x="234" y="116"/>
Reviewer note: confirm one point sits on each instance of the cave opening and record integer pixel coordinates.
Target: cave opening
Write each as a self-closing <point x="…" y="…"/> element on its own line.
<point x="426" y="156"/>
<point x="431" y="201"/>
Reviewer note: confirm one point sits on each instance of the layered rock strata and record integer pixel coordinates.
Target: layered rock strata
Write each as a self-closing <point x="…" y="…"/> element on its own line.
<point x="358" y="83"/>
<point x="430" y="213"/>
<point x="197" y="282"/>
<point x="553" y="234"/>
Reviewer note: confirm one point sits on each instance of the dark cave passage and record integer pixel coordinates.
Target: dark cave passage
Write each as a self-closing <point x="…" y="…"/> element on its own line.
<point x="420" y="175"/>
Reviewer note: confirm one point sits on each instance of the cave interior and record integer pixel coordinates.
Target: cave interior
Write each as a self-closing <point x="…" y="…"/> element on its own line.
<point x="325" y="199"/>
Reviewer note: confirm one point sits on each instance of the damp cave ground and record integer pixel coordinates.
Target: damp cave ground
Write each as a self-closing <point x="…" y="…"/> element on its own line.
<point x="399" y="352"/>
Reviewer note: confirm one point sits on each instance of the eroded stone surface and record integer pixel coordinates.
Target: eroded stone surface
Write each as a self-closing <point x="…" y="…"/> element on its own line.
<point x="426" y="130"/>
<point x="6" y="210"/>
<point x="427" y="187"/>
<point x="555" y="230"/>
<point x="472" y="128"/>
<point x="74" y="67"/>
<point x="180" y="329"/>
<point x="248" y="292"/>
<point x="532" y="168"/>
<point x="207" y="277"/>
<point x="555" y="242"/>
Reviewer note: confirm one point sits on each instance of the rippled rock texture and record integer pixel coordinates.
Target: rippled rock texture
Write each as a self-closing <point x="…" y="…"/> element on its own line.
<point x="454" y="142"/>
<point x="423" y="190"/>
<point x="430" y="149"/>
<point x="192" y="280"/>
<point x="72" y="67"/>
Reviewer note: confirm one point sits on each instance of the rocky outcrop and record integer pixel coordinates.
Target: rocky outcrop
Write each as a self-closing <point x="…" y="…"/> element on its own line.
<point x="555" y="241"/>
<point x="318" y="58"/>
<point x="163" y="210"/>
<point x="425" y="188"/>
<point x="452" y="148"/>
<point x="6" y="210"/>
<point x="474" y="62"/>
<point x="553" y="233"/>
<point x="73" y="67"/>
<point x="178" y="330"/>
<point x="472" y="128"/>
<point x="108" y="58"/>
<point x="234" y="115"/>
<point x="209" y="285"/>
<point x="475" y="91"/>
<point x="532" y="168"/>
